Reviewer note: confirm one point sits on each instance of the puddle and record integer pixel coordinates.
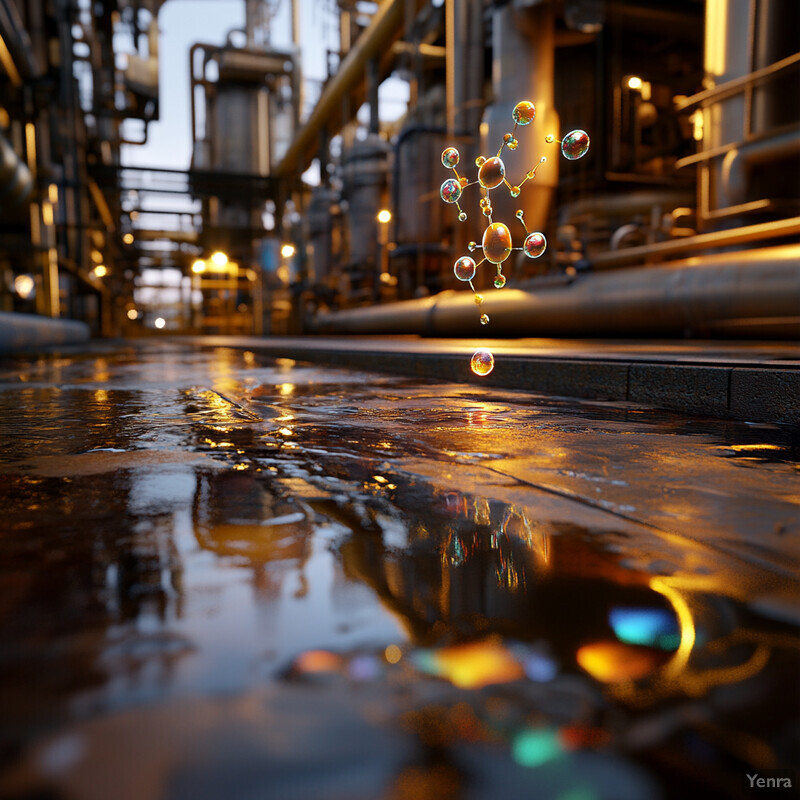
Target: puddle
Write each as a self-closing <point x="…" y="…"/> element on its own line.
<point x="214" y="585"/>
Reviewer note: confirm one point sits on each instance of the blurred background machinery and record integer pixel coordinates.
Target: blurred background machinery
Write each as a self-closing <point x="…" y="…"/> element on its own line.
<point x="324" y="217"/>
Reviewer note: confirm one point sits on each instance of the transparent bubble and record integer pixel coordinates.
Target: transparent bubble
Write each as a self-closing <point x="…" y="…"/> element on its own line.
<point x="575" y="145"/>
<point x="450" y="190"/>
<point x="491" y="173"/>
<point x="514" y="191"/>
<point x="484" y="319"/>
<point x="496" y="242"/>
<point x="499" y="281"/>
<point x="462" y="216"/>
<point x="549" y="138"/>
<point x="464" y="268"/>
<point x="523" y="112"/>
<point x="482" y="362"/>
<point x="472" y="247"/>
<point x="450" y="157"/>
<point x="535" y="244"/>
<point x="480" y="161"/>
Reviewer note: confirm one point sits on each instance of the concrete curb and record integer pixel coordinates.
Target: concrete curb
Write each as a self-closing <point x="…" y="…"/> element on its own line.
<point x="766" y="393"/>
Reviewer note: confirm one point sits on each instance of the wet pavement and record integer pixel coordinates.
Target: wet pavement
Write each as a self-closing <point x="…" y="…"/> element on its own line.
<point x="226" y="575"/>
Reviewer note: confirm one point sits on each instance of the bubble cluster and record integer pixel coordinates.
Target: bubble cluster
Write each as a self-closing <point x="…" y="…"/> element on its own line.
<point x="496" y="243"/>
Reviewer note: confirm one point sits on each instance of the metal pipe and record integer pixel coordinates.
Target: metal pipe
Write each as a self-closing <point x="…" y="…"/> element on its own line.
<point x="386" y="25"/>
<point x="699" y="295"/>
<point x="704" y="241"/>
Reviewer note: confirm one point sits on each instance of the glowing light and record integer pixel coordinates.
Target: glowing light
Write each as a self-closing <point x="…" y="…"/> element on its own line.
<point x="482" y="362"/>
<point x="384" y="215"/>
<point x="133" y="314"/>
<point x="219" y="259"/>
<point x="128" y="238"/>
<point x="472" y="665"/>
<point x="317" y="661"/>
<point x="612" y="662"/>
<point x="685" y="621"/>
<point x="159" y="322"/>
<point x="634" y="82"/>
<point x="199" y="266"/>
<point x="654" y="627"/>
<point x="537" y="746"/>
<point x="24" y="286"/>
<point x="392" y="654"/>
<point x="97" y="256"/>
<point x="100" y="271"/>
<point x="288" y="250"/>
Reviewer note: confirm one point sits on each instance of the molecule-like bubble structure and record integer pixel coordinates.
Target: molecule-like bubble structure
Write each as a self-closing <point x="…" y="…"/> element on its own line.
<point x="496" y="242"/>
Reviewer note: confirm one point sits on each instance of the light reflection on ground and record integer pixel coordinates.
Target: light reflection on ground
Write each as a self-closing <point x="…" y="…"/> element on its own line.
<point x="223" y="575"/>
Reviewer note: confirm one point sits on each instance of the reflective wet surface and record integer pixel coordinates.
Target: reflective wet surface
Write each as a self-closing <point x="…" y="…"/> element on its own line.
<point x="224" y="575"/>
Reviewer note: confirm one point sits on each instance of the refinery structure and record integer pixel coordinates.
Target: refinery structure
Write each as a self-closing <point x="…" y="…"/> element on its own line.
<point x="682" y="219"/>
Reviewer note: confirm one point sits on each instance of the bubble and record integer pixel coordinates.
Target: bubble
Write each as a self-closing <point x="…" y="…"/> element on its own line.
<point x="575" y="145"/>
<point x="523" y="112"/>
<point x="508" y="138"/>
<point x="450" y="191"/>
<point x="514" y="191"/>
<point x="463" y="181"/>
<point x="534" y="245"/>
<point x="549" y="138"/>
<point x="462" y="216"/>
<point x="472" y="247"/>
<point x="464" y="268"/>
<point x="519" y="213"/>
<point x="512" y="145"/>
<point x="480" y="161"/>
<point x="482" y="362"/>
<point x="499" y="281"/>
<point x="478" y="299"/>
<point x="450" y="157"/>
<point x="484" y="319"/>
<point x="491" y="173"/>
<point x="496" y="243"/>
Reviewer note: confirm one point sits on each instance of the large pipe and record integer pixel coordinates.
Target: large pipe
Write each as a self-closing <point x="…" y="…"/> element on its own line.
<point x="701" y="295"/>
<point x="385" y="27"/>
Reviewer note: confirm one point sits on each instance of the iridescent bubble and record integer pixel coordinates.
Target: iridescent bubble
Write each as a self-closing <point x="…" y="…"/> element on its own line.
<point x="496" y="242"/>
<point x="480" y="161"/>
<point x="523" y="112"/>
<point x="491" y="173"/>
<point x="484" y="319"/>
<point x="450" y="157"/>
<point x="534" y="245"/>
<point x="575" y="145"/>
<point x="499" y="281"/>
<point x="450" y="190"/>
<point x="482" y="362"/>
<point x="472" y="247"/>
<point x="514" y="191"/>
<point x="464" y="268"/>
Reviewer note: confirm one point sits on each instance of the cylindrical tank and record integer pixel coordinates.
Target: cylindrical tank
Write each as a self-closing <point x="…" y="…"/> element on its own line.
<point x="319" y="230"/>
<point x="16" y="183"/>
<point x="524" y="56"/>
<point x="364" y="170"/>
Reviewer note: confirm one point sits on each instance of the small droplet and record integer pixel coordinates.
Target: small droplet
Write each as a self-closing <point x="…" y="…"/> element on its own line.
<point x="484" y="319"/>
<point x="499" y="281"/>
<point x="482" y="362"/>
<point x="519" y="214"/>
<point x="534" y="244"/>
<point x="463" y="181"/>
<point x="450" y="190"/>
<point x="575" y="145"/>
<point x="508" y="138"/>
<point x="450" y="157"/>
<point x="464" y="268"/>
<point x="523" y="113"/>
<point x="478" y="299"/>
<point x="549" y="138"/>
<point x="462" y="217"/>
<point x="512" y="145"/>
<point x="480" y="161"/>
<point x="472" y="247"/>
<point x="487" y="211"/>
<point x="514" y="191"/>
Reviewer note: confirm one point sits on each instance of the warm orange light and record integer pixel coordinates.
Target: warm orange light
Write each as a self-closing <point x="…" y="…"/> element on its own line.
<point x="100" y="271"/>
<point x="128" y="238"/>
<point x="199" y="266"/>
<point x="287" y="251"/>
<point x="612" y="662"/>
<point x="384" y="215"/>
<point x="219" y="259"/>
<point x="473" y="665"/>
<point x="634" y="82"/>
<point x="133" y="314"/>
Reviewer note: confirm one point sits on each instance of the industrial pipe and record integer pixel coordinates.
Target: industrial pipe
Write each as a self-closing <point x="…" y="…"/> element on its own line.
<point x="701" y="295"/>
<point x="385" y="27"/>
